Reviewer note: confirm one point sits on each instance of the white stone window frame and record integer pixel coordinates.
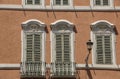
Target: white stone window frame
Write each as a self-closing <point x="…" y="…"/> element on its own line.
<point x="33" y="5"/>
<point x="52" y="34"/>
<point x="113" y="36"/>
<point x="61" y="6"/>
<point x="92" y="5"/>
<point x="23" y="39"/>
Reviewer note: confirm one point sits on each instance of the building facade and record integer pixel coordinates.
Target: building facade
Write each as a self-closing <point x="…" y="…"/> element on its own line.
<point x="59" y="39"/>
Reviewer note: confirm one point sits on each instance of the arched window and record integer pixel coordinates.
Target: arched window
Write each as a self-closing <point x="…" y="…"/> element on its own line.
<point x="62" y="47"/>
<point x="103" y="36"/>
<point x="33" y="45"/>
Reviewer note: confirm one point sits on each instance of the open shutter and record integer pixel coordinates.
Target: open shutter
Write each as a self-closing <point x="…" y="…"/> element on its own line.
<point x="107" y="46"/>
<point x="99" y="49"/>
<point x="37" y="47"/>
<point x="29" y="47"/>
<point x="66" y="47"/>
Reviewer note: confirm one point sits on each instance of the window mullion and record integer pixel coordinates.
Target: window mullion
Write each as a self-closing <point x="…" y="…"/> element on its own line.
<point x="62" y="43"/>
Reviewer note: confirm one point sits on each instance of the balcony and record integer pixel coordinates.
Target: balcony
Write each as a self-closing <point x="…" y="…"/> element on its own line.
<point x="33" y="69"/>
<point x="63" y="69"/>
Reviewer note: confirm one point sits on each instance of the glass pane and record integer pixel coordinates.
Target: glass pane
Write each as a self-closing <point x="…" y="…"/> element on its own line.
<point x="105" y="2"/>
<point x="65" y="2"/>
<point x="97" y="2"/>
<point x="58" y="2"/>
<point x="37" y="2"/>
<point x="29" y="1"/>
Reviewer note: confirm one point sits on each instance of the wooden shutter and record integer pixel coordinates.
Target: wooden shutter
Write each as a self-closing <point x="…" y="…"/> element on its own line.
<point x="103" y="49"/>
<point x="107" y="46"/>
<point x="63" y="47"/>
<point x="37" y="47"/>
<point x="99" y="49"/>
<point x="33" y="46"/>
<point x="66" y="47"/>
<point x="58" y="47"/>
<point x="29" y="47"/>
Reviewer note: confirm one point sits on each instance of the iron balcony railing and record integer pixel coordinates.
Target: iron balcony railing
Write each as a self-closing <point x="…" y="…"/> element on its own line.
<point x="33" y="69"/>
<point x="63" y="69"/>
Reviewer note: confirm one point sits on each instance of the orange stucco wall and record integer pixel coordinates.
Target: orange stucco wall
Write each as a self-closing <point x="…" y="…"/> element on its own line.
<point x="10" y="36"/>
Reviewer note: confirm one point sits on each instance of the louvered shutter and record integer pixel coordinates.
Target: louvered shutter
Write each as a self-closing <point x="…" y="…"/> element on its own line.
<point x="37" y="47"/>
<point x="29" y="47"/>
<point x="107" y="46"/>
<point x="66" y="47"/>
<point x="63" y="47"/>
<point x="105" y="2"/>
<point x="99" y="49"/>
<point x="58" y="47"/>
<point x="103" y="50"/>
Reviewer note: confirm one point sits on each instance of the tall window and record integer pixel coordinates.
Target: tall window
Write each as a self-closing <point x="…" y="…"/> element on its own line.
<point x="62" y="48"/>
<point x="101" y="2"/>
<point x="104" y="43"/>
<point x="33" y="62"/>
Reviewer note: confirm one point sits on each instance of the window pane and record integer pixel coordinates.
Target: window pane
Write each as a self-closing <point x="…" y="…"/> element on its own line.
<point x="37" y="2"/>
<point x="58" y="2"/>
<point x="97" y="2"/>
<point x="105" y="2"/>
<point x="65" y="2"/>
<point x="29" y="1"/>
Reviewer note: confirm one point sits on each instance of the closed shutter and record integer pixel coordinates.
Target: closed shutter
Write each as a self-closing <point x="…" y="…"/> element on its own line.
<point x="62" y="47"/>
<point x="103" y="50"/>
<point x="105" y="2"/>
<point x="33" y="47"/>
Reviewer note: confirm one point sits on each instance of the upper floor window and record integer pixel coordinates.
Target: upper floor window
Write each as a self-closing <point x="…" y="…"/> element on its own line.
<point x="33" y="48"/>
<point x="62" y="2"/>
<point x="104" y="43"/>
<point x="62" y="48"/>
<point x="33" y="2"/>
<point x="102" y="3"/>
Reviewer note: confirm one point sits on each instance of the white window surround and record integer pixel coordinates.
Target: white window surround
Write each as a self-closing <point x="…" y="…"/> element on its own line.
<point x="42" y="30"/>
<point x="113" y="44"/>
<point x="70" y="4"/>
<point x="92" y="2"/>
<point x="70" y="25"/>
<point x="33" y="6"/>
